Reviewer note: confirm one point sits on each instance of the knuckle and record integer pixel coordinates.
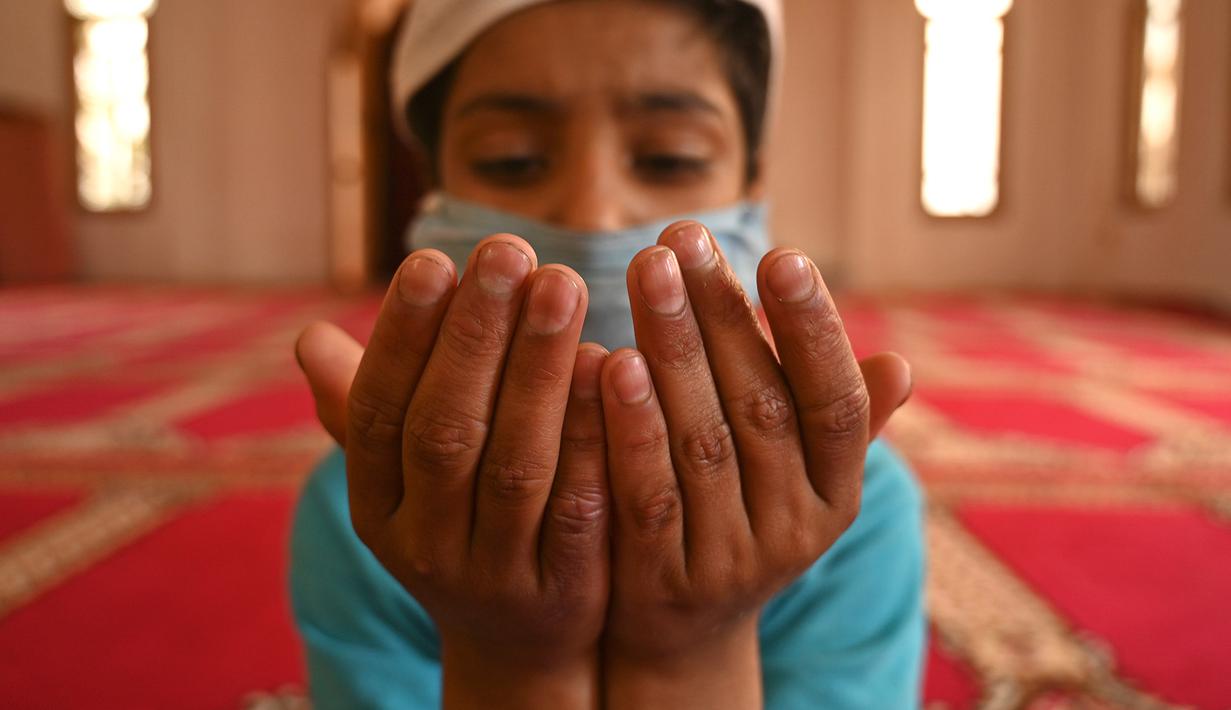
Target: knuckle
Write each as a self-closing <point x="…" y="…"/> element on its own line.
<point x="426" y="574"/>
<point x="745" y="558"/>
<point x="421" y="566"/>
<point x="732" y="592"/>
<point x="407" y="342"/>
<point x="801" y="545"/>
<point x="545" y="376"/>
<point x="709" y="448"/>
<point x="413" y="347"/>
<point x="732" y="571"/>
<point x="680" y="348"/>
<point x="473" y="334"/>
<point x="678" y="592"/>
<point x="578" y="511"/>
<point x="437" y="439"/>
<point x="800" y="548"/>
<point x="516" y="479"/>
<point x="730" y="307"/>
<point x="705" y="597"/>
<point x="583" y="440"/>
<point x="374" y="417"/>
<point x="846" y="414"/>
<point x="538" y="381"/>
<point x="766" y="411"/>
<point x="645" y="443"/>
<point x="657" y="510"/>
<point x="795" y="538"/>
<point x="823" y="336"/>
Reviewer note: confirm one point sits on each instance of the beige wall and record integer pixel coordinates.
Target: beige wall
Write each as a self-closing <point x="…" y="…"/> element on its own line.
<point x="1188" y="247"/>
<point x="32" y="65"/>
<point x="238" y="98"/>
<point x="807" y="157"/>
<point x="241" y="160"/>
<point x="1064" y="223"/>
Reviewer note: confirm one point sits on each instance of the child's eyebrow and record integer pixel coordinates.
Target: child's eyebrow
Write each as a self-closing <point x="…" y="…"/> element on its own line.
<point x="510" y="102"/>
<point x="683" y="102"/>
<point x="670" y="101"/>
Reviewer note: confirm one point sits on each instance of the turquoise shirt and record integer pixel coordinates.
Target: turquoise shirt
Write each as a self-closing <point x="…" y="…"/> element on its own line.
<point x="848" y="634"/>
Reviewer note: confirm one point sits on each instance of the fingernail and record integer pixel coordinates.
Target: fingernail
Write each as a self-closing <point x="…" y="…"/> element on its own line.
<point x="659" y="280"/>
<point x="587" y="370"/>
<point x="692" y="246"/>
<point x="501" y="268"/>
<point x="422" y="281"/>
<point x="552" y="302"/>
<point x="790" y="278"/>
<point x="631" y="380"/>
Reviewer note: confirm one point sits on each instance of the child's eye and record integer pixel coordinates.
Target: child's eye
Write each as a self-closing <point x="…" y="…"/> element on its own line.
<point x="668" y="166"/>
<point x="510" y="170"/>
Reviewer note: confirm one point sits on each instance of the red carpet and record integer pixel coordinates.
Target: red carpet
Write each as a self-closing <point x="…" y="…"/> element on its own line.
<point x="1097" y="583"/>
<point x="1077" y="458"/>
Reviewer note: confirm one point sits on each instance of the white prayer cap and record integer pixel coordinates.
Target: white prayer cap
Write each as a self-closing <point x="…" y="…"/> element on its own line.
<point x="437" y="31"/>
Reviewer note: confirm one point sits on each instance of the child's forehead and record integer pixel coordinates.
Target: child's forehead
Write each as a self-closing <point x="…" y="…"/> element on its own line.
<point x="564" y="49"/>
<point x="550" y="44"/>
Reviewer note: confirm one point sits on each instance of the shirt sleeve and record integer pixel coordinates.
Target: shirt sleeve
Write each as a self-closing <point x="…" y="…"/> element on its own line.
<point x="849" y="634"/>
<point x="369" y="644"/>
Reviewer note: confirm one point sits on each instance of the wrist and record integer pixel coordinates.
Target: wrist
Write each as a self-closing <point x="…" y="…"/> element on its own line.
<point x="722" y="671"/>
<point x="486" y="678"/>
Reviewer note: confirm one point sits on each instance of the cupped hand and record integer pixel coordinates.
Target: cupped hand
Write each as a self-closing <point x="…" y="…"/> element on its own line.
<point x="476" y="465"/>
<point x="732" y="469"/>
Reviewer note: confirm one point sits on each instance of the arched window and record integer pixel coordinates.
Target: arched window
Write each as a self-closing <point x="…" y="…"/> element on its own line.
<point x="111" y="74"/>
<point x="963" y="72"/>
<point x="1158" y="111"/>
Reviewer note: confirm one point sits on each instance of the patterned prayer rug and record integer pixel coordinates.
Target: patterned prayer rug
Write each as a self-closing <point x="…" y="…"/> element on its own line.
<point x="1077" y="459"/>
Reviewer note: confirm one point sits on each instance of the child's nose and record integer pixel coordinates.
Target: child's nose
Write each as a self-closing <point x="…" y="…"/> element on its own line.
<point x="590" y="193"/>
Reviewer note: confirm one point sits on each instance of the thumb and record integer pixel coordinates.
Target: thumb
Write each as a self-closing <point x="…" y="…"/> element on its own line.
<point x="888" y="379"/>
<point x="329" y="358"/>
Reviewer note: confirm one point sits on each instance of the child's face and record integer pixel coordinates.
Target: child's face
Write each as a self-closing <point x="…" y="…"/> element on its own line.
<point x="594" y="115"/>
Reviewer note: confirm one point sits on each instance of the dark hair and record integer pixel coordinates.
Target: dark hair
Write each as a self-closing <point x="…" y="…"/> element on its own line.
<point x="739" y="30"/>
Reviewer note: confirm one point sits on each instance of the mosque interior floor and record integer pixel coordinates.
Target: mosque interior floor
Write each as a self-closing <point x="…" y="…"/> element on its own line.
<point x="1076" y="457"/>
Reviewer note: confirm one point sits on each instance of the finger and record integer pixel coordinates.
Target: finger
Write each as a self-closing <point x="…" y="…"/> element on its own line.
<point x="388" y="371"/>
<point x="888" y="379"/>
<point x="645" y="496"/>
<point x="522" y="451"/>
<point x="831" y="400"/>
<point x="702" y="448"/>
<point x="450" y="415"/>
<point x="329" y="358"/>
<point x="575" y="537"/>
<point x="754" y="393"/>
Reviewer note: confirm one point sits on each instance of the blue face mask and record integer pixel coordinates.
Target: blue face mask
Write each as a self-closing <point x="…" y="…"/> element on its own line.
<point x="455" y="227"/>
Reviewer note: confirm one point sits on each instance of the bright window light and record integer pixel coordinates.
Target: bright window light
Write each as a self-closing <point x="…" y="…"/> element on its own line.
<point x="963" y="69"/>
<point x="111" y="73"/>
<point x="1157" y="137"/>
